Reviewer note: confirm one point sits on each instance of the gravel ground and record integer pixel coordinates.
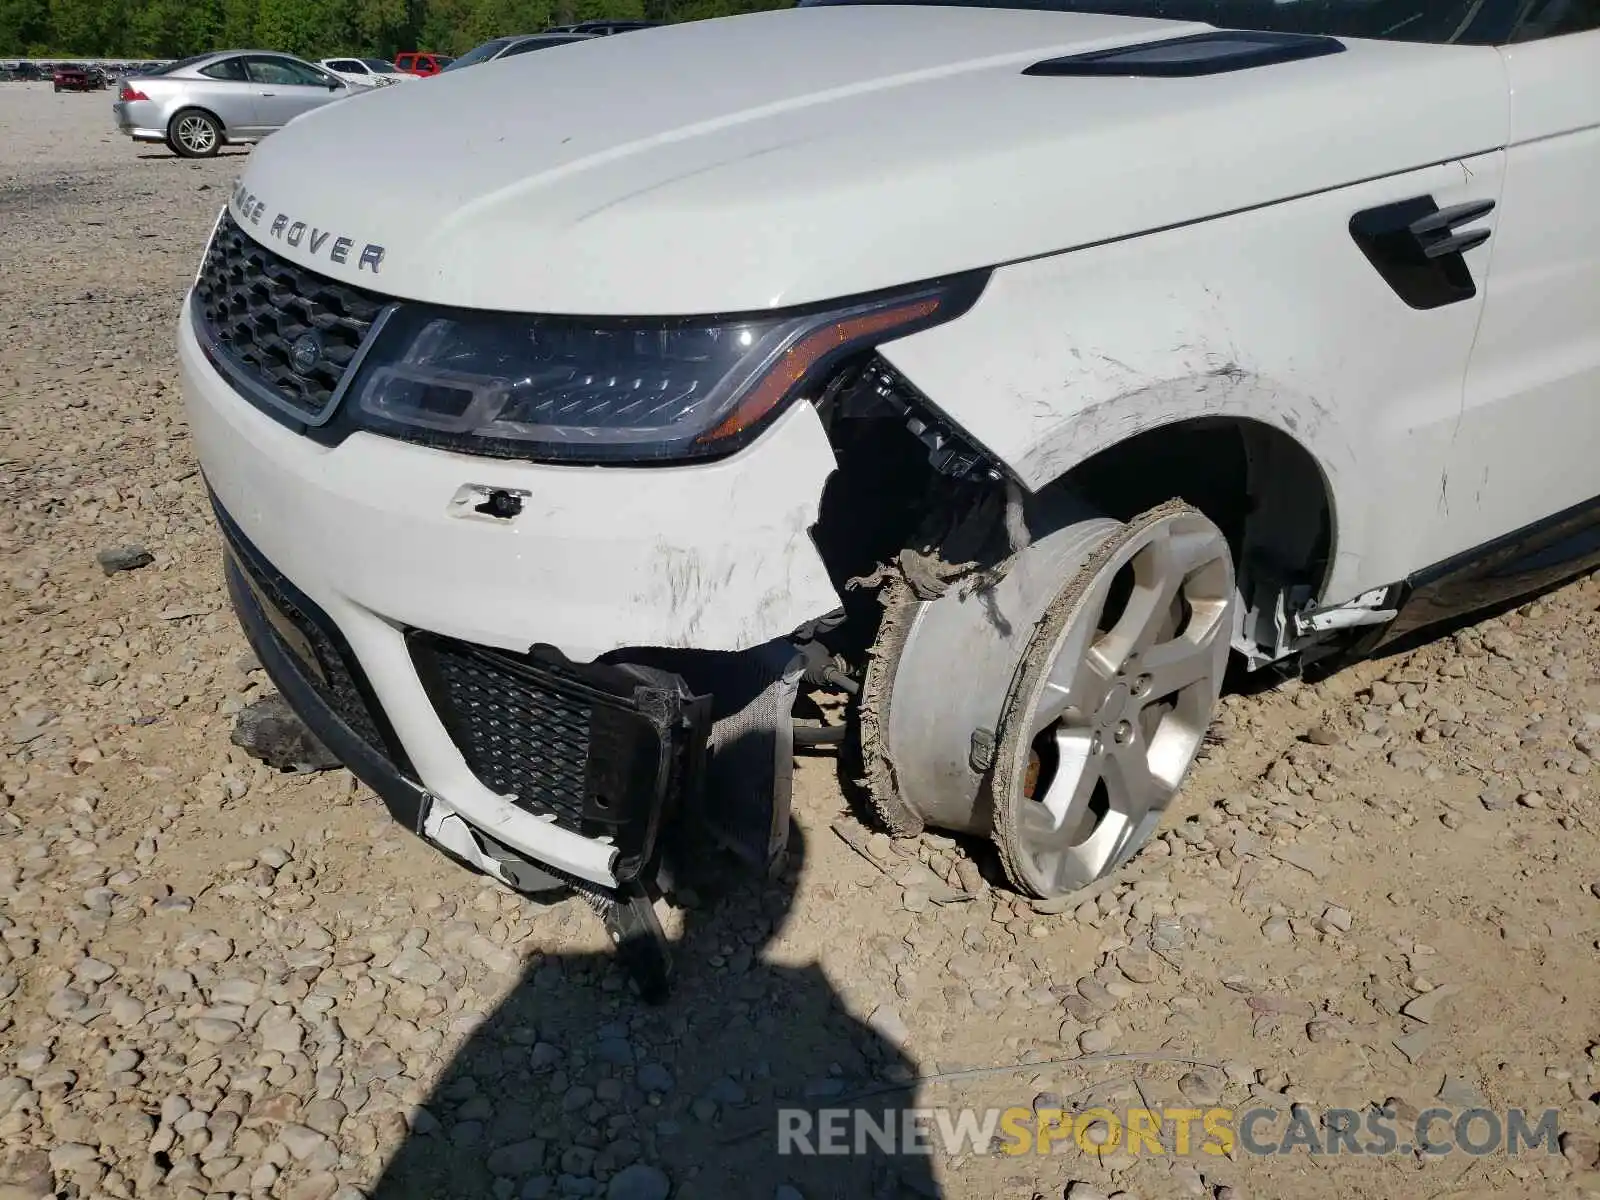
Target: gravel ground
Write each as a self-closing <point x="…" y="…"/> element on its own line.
<point x="216" y="980"/>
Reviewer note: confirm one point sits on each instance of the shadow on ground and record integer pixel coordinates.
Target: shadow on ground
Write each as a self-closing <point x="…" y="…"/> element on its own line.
<point x="573" y="1078"/>
<point x="222" y="152"/>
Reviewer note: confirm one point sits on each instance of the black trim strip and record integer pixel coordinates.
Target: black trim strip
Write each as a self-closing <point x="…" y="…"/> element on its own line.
<point x="1527" y="560"/>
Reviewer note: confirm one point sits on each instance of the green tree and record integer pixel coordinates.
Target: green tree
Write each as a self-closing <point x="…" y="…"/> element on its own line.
<point x="238" y="29"/>
<point x="313" y="28"/>
<point x="24" y="25"/>
<point x="199" y="26"/>
<point x="77" y="23"/>
<point x="519" y="16"/>
<point x="170" y="28"/>
<point x="443" y="27"/>
<point x="383" y="26"/>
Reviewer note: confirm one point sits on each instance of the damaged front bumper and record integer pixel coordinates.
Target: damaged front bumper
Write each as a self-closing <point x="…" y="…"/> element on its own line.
<point x="603" y="752"/>
<point x="553" y="698"/>
<point x="599" y="759"/>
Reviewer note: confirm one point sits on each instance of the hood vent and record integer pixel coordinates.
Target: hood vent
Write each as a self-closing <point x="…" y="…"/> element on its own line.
<point x="1200" y="54"/>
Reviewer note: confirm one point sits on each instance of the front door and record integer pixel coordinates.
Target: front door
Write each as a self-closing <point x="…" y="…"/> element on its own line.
<point x="285" y="88"/>
<point x="228" y="92"/>
<point x="1528" y="445"/>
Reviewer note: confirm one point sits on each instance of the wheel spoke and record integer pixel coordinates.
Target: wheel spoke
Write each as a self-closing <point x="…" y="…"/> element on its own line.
<point x="1133" y="789"/>
<point x="1065" y="802"/>
<point x="1148" y="608"/>
<point x="195" y="134"/>
<point x="1185" y="551"/>
<point x="1174" y="665"/>
<point x="1088" y="860"/>
<point x="1160" y="571"/>
<point x="1073" y="692"/>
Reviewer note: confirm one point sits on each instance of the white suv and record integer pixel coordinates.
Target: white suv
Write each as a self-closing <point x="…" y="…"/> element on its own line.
<point x="365" y="72"/>
<point x="1007" y="369"/>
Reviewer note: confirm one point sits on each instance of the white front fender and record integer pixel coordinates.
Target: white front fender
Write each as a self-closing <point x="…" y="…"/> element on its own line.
<point x="1271" y="315"/>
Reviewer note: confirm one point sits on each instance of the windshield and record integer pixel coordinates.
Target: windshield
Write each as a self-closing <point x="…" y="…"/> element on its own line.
<point x="380" y="67"/>
<point x="1469" y="21"/>
<point x="479" y="54"/>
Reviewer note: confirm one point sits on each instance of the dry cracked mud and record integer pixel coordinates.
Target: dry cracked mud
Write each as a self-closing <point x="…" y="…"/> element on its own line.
<point x="217" y="980"/>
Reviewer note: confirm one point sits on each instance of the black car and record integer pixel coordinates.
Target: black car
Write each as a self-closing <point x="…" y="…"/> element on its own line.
<point x="506" y="47"/>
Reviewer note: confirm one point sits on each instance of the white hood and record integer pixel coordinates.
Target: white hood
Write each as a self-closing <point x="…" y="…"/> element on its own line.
<point x="798" y="155"/>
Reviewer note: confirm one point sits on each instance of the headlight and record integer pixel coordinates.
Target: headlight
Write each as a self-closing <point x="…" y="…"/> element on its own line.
<point x="597" y="390"/>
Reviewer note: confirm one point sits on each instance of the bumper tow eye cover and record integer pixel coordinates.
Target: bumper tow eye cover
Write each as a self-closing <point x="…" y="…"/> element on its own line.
<point x="485" y="502"/>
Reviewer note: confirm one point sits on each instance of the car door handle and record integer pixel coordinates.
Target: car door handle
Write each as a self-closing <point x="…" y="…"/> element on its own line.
<point x="267" y="95"/>
<point x="1435" y="233"/>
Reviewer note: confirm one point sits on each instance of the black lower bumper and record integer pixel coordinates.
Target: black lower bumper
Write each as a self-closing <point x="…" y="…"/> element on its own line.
<point x="403" y="796"/>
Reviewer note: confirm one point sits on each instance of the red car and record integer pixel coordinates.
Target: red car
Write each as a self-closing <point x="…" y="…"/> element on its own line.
<point x="417" y="62"/>
<point x="69" y="77"/>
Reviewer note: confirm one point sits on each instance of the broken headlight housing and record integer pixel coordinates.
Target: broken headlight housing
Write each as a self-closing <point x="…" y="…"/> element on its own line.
<point x="567" y="389"/>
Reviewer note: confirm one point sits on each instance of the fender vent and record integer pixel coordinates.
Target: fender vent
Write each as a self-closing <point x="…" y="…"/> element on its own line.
<point x="1200" y="54"/>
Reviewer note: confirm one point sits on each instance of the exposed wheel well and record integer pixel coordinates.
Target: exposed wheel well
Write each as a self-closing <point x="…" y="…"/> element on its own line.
<point x="1263" y="489"/>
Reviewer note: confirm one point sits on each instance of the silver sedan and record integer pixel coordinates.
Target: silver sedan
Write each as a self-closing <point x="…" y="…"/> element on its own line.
<point x="197" y="105"/>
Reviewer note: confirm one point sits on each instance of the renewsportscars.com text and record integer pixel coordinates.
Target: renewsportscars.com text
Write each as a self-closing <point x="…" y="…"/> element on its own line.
<point x="1180" y="1132"/>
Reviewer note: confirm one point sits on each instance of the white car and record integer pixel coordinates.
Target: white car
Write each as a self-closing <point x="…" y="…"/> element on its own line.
<point x="365" y="72"/>
<point x="1009" y="370"/>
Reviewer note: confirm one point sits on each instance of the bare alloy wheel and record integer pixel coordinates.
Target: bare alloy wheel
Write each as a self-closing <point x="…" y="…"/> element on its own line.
<point x="194" y="134"/>
<point x="1114" y="698"/>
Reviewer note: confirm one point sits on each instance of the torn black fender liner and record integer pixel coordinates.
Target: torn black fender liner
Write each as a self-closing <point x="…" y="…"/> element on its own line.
<point x="744" y="802"/>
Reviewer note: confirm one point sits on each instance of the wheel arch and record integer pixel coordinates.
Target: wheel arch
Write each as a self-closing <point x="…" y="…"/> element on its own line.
<point x="1271" y="465"/>
<point x="222" y="125"/>
<point x="1270" y="494"/>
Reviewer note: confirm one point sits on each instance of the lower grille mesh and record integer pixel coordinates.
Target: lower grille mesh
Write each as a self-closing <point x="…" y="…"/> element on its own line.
<point x="521" y="737"/>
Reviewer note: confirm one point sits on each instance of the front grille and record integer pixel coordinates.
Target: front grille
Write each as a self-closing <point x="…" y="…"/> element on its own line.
<point x="336" y="676"/>
<point x="520" y="735"/>
<point x="254" y="306"/>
